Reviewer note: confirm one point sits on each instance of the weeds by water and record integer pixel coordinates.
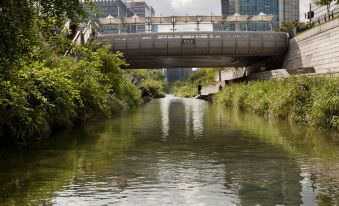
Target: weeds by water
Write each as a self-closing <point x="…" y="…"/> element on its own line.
<point x="309" y="100"/>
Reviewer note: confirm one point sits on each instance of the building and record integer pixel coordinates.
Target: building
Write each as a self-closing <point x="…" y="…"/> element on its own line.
<point x="284" y="10"/>
<point x="228" y="7"/>
<point x="110" y="9"/>
<point x="289" y="10"/>
<point x="175" y="74"/>
<point x="142" y="9"/>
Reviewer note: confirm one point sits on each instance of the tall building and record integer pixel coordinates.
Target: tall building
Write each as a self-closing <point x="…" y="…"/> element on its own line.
<point x="175" y="74"/>
<point x="109" y="9"/>
<point x="228" y="7"/>
<point x="284" y="10"/>
<point x="142" y="9"/>
<point x="289" y="10"/>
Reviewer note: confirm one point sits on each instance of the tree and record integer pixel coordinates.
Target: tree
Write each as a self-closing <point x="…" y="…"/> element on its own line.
<point x="326" y="3"/>
<point x="26" y="23"/>
<point x="287" y="26"/>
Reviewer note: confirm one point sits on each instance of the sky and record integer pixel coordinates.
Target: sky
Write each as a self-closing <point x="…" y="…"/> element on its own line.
<point x="196" y="7"/>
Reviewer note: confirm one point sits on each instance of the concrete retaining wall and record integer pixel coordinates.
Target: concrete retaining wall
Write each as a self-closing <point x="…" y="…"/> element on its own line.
<point x="318" y="48"/>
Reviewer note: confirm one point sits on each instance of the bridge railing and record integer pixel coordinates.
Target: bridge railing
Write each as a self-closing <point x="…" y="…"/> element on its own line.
<point x="319" y="20"/>
<point x="83" y="36"/>
<point x="199" y="43"/>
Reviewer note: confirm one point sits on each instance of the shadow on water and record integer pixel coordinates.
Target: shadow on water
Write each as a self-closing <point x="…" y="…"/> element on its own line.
<point x="177" y="151"/>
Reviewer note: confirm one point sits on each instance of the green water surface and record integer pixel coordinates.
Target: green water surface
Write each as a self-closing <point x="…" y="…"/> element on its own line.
<point x="177" y="151"/>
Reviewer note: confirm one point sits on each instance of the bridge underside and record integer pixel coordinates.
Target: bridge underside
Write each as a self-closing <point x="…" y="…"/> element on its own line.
<point x="197" y="49"/>
<point x="154" y="62"/>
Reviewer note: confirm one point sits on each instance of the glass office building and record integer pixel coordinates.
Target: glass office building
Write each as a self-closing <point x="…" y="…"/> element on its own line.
<point x="255" y="7"/>
<point x="284" y="10"/>
<point x="174" y="74"/>
<point x="142" y="9"/>
<point x="110" y="9"/>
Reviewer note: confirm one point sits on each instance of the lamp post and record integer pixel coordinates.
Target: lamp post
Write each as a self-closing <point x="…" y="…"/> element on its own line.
<point x="173" y="23"/>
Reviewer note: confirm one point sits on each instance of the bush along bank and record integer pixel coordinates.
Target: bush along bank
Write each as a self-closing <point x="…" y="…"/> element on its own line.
<point x="152" y="83"/>
<point x="189" y="87"/>
<point x="58" y="92"/>
<point x="309" y="100"/>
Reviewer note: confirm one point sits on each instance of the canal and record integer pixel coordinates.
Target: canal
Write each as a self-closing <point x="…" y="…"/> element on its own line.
<point x="176" y="151"/>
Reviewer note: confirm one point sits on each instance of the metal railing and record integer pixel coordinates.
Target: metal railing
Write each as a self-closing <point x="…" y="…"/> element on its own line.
<point x="83" y="36"/>
<point x="319" y="20"/>
<point x="169" y="20"/>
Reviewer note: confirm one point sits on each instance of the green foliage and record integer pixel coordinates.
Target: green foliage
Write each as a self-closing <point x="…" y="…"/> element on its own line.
<point x="39" y="87"/>
<point x="204" y="76"/>
<point x="287" y="26"/>
<point x="154" y="87"/>
<point x="152" y="82"/>
<point x="184" y="89"/>
<point x="143" y="74"/>
<point x="24" y="24"/>
<point x="326" y="3"/>
<point x="189" y="88"/>
<point x="310" y="100"/>
<point x="58" y="91"/>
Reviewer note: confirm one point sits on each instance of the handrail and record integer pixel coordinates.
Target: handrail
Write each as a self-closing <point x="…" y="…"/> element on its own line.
<point x="319" y="20"/>
<point x="66" y="26"/>
<point x="174" y="35"/>
<point x="83" y="36"/>
<point x="185" y="19"/>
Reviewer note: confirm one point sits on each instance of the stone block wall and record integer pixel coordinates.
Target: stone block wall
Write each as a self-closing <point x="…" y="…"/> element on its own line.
<point x="318" y="48"/>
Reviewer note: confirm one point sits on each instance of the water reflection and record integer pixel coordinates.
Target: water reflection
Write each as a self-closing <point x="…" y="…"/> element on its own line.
<point x="177" y="152"/>
<point x="193" y="115"/>
<point x="164" y="109"/>
<point x="197" y="116"/>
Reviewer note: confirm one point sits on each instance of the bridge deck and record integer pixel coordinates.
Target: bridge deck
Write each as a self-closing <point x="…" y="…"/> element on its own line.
<point x="165" y="47"/>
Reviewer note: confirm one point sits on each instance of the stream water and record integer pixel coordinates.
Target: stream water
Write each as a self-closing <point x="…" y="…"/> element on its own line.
<point x="176" y="151"/>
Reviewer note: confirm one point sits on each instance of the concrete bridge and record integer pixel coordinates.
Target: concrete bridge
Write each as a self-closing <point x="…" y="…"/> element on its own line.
<point x="197" y="49"/>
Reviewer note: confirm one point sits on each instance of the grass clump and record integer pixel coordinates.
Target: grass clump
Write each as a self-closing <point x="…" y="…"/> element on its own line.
<point x="309" y="100"/>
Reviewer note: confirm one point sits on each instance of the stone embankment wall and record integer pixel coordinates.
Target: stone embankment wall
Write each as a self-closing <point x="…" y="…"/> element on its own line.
<point x="318" y="48"/>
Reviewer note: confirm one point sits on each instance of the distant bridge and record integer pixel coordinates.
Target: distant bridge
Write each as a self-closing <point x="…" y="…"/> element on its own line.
<point x="197" y="49"/>
<point x="175" y="20"/>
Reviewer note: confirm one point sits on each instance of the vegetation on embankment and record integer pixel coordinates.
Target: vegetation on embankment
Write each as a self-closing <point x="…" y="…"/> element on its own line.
<point x="309" y="100"/>
<point x="59" y="91"/>
<point x="151" y="82"/>
<point x="188" y="88"/>
<point x="40" y="88"/>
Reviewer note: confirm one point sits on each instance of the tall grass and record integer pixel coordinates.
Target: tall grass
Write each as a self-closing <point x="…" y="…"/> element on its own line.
<point x="309" y="100"/>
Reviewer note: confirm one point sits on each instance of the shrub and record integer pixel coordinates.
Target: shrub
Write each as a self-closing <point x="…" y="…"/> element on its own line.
<point x="154" y="87"/>
<point x="310" y="100"/>
<point x="59" y="91"/>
